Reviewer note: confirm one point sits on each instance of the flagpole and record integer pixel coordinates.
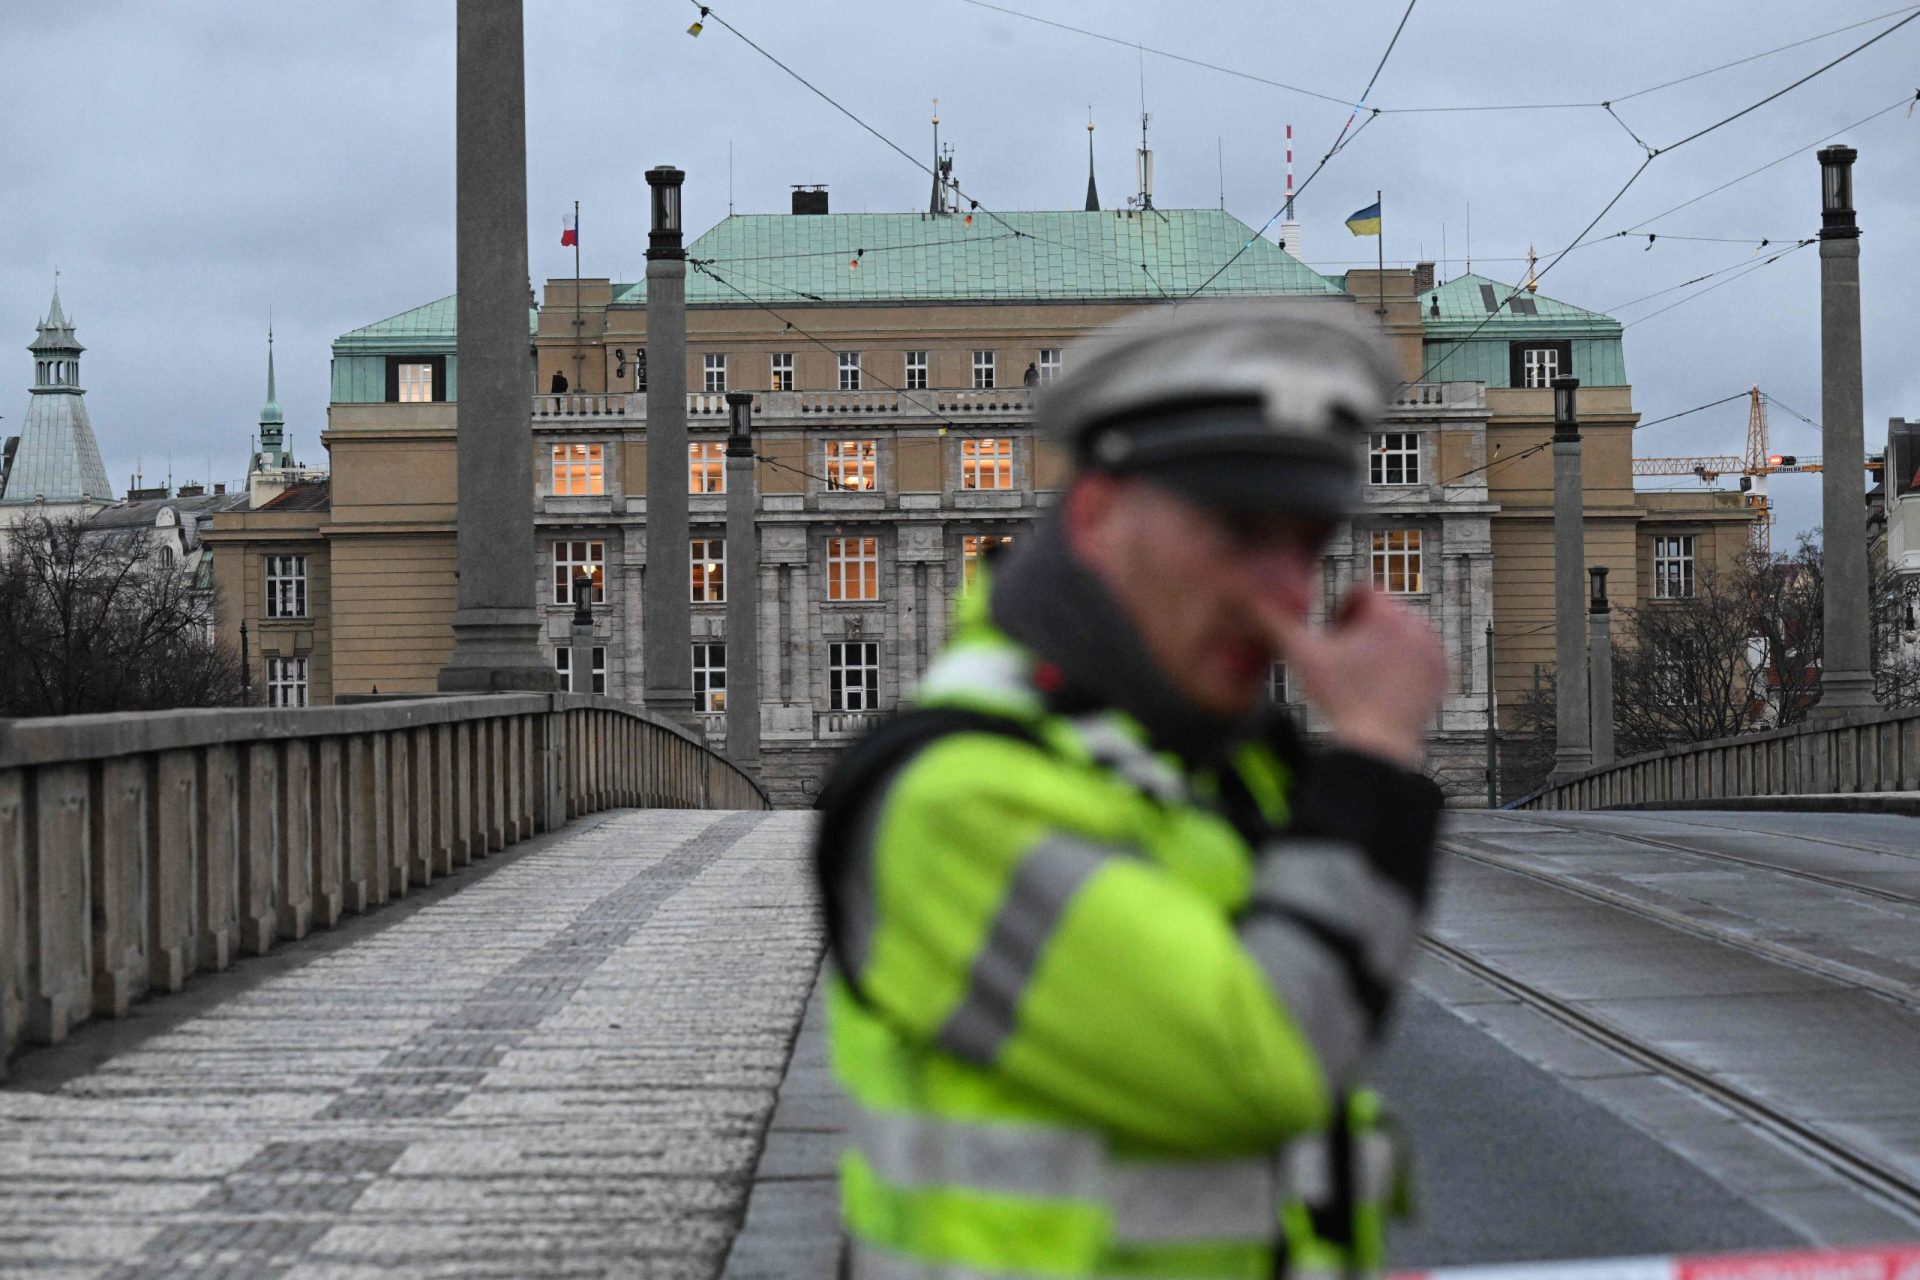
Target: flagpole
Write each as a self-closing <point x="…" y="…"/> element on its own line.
<point x="579" y="357"/>
<point x="1380" y="246"/>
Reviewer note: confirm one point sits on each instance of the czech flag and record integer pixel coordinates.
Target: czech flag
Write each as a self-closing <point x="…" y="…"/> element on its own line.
<point x="570" y="229"/>
<point x="1366" y="222"/>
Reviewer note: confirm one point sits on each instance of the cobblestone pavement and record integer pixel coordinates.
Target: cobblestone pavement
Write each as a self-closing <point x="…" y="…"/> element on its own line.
<point x="563" y="1069"/>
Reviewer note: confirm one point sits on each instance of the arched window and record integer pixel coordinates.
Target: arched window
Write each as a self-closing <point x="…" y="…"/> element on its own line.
<point x="40" y="372"/>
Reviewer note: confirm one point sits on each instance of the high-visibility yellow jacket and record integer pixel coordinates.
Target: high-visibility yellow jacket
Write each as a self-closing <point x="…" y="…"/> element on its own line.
<point x="1093" y="1024"/>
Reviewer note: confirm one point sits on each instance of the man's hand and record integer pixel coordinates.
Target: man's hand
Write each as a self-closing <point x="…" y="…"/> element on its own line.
<point x="1375" y="674"/>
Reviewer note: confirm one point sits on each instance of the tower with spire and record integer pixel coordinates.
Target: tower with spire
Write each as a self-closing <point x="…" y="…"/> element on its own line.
<point x="1093" y="192"/>
<point x="273" y="423"/>
<point x="55" y="465"/>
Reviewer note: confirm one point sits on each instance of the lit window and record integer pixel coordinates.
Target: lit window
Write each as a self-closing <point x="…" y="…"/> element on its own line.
<point x="572" y="559"/>
<point x="852" y="464"/>
<point x="286" y="586"/>
<point x="707" y="466"/>
<point x="416" y="383"/>
<point x="853" y="568"/>
<point x="1394" y="458"/>
<point x="286" y="682"/>
<point x="853" y="676"/>
<point x="916" y="371"/>
<point x="716" y="371"/>
<point x="710" y="677"/>
<point x="783" y="371"/>
<point x="1049" y="363"/>
<point x="849" y="370"/>
<point x="579" y="469"/>
<point x="986" y="464"/>
<point x="708" y="558"/>
<point x="974" y="548"/>
<point x="1396" y="561"/>
<point x="1673" y="567"/>
<point x="1539" y="366"/>
<point x="983" y="370"/>
<point x="563" y="663"/>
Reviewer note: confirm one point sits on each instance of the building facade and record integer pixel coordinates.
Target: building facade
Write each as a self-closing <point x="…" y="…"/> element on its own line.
<point x="893" y="359"/>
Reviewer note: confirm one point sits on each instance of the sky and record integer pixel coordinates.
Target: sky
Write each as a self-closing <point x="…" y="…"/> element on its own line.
<point x="198" y="169"/>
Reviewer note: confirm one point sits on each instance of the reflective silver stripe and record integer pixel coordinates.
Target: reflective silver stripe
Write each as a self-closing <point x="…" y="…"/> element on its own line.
<point x="1170" y="1200"/>
<point x="910" y="1150"/>
<point x="1329" y="881"/>
<point x="1313" y="984"/>
<point x="1110" y="744"/>
<point x="1151" y="1202"/>
<point x="996" y="673"/>
<point x="1375" y="1166"/>
<point x="1308" y="1163"/>
<point x="1045" y="881"/>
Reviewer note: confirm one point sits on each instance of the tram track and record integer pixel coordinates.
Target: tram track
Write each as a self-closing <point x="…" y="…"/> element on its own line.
<point x="1795" y="957"/>
<point x="1899" y="1192"/>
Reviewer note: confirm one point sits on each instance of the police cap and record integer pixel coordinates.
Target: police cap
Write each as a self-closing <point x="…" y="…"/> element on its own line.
<point x="1262" y="408"/>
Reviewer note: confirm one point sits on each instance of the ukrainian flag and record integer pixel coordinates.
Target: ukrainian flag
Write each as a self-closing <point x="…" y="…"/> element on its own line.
<point x="1366" y="222"/>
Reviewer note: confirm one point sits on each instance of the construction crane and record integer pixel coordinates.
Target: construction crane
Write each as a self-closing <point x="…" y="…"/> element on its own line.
<point x="1753" y="470"/>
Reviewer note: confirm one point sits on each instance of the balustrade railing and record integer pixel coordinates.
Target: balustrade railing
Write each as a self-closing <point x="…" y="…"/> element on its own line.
<point x="705" y="406"/>
<point x="139" y="849"/>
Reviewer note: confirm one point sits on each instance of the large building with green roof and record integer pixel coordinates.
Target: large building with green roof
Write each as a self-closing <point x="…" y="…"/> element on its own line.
<point x="892" y="358"/>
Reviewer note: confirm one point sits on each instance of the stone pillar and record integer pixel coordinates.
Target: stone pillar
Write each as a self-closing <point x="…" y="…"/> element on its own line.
<point x="667" y="618"/>
<point x="580" y="647"/>
<point x="1846" y="681"/>
<point x="743" y="589"/>
<point x="495" y="629"/>
<point x="1600" y="664"/>
<point x="1573" y="749"/>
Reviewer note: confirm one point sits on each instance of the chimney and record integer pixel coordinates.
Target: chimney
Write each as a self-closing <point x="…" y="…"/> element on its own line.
<point x="191" y="489"/>
<point x="1422" y="277"/>
<point x="219" y="488"/>
<point x="810" y="197"/>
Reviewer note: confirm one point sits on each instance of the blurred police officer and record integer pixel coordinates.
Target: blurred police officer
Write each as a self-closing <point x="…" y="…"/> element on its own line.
<point x="1111" y="940"/>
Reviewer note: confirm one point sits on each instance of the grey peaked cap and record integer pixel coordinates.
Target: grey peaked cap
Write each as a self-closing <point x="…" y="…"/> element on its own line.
<point x="1287" y="389"/>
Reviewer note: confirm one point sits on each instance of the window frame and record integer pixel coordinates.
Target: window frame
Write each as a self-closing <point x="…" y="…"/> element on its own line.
<point x="853" y="657"/>
<point x="974" y="463"/>
<point x="713" y="367"/>
<point x="704" y="669"/>
<point x="1051" y="368"/>
<point x="595" y="560"/>
<point x="285" y="571"/>
<point x="292" y="674"/>
<point x="985" y="369"/>
<point x="438" y="391"/>
<point x="1382" y="452"/>
<point x="917" y="371"/>
<point x="563" y="664"/>
<point x="1678" y="561"/>
<point x="849" y="370"/>
<point x="589" y="470"/>
<point x="706" y="461"/>
<point x="974" y="549"/>
<point x="707" y="570"/>
<point x="780" y="370"/>
<point x="1409" y="556"/>
<point x="847" y="560"/>
<point x="864" y="464"/>
<point x="1517" y="361"/>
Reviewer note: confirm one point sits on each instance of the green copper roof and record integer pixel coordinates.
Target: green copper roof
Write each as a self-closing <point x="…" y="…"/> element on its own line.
<point x="1038" y="256"/>
<point x="270" y="414"/>
<point x="1467" y="301"/>
<point x="428" y="328"/>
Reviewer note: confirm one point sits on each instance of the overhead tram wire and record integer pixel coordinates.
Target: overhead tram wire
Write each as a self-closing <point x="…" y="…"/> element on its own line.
<point x="1748" y="261"/>
<point x="1767" y="53"/>
<point x="1711" y="404"/>
<point x="1654" y="153"/>
<point x="1748" y="270"/>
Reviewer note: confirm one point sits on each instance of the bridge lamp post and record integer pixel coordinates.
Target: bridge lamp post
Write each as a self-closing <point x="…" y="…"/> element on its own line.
<point x="743" y="588"/>
<point x="667" y="632"/>
<point x="580" y="649"/>
<point x="1846" y="679"/>
<point x="1600" y="663"/>
<point x="1573" y="741"/>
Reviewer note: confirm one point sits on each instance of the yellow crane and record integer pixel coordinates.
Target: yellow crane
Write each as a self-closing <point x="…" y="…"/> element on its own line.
<point x="1753" y="470"/>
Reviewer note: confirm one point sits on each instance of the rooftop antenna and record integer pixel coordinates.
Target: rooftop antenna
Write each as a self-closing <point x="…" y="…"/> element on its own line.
<point x="1220" y="158"/>
<point x="1144" y="167"/>
<point x="1289" y="213"/>
<point x="1289" y="229"/>
<point x="1469" y="237"/>
<point x="729" y="177"/>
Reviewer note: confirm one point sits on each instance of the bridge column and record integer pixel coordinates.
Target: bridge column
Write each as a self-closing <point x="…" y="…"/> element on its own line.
<point x="1573" y="747"/>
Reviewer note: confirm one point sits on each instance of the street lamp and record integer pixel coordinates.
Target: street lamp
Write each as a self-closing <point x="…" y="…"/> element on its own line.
<point x="1836" y="194"/>
<point x="583" y="600"/>
<point x="1600" y="663"/>
<point x="1566" y="417"/>
<point x="1573" y="726"/>
<point x="665" y="182"/>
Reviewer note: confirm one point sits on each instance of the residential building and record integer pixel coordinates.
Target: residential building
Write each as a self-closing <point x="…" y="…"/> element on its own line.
<point x="1899" y="543"/>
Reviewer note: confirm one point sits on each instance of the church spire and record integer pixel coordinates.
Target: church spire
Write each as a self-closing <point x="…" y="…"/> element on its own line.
<point x="272" y="420"/>
<point x="1093" y="192"/>
<point x="58" y="458"/>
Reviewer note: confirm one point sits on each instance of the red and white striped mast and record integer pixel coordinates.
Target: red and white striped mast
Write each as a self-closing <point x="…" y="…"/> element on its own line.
<point x="1289" y="229"/>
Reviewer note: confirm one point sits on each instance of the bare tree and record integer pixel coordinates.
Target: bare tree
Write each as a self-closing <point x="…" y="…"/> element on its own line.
<point x="95" y="620"/>
<point x="1688" y="671"/>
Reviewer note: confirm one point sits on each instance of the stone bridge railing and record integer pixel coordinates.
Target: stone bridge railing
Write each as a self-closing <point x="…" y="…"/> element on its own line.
<point x="1874" y="752"/>
<point x="137" y="850"/>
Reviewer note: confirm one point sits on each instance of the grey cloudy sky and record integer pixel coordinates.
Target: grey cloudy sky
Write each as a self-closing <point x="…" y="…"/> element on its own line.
<point x="191" y="166"/>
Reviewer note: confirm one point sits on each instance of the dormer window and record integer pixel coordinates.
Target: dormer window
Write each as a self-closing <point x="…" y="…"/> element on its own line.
<point x="1536" y="364"/>
<point x="416" y="379"/>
